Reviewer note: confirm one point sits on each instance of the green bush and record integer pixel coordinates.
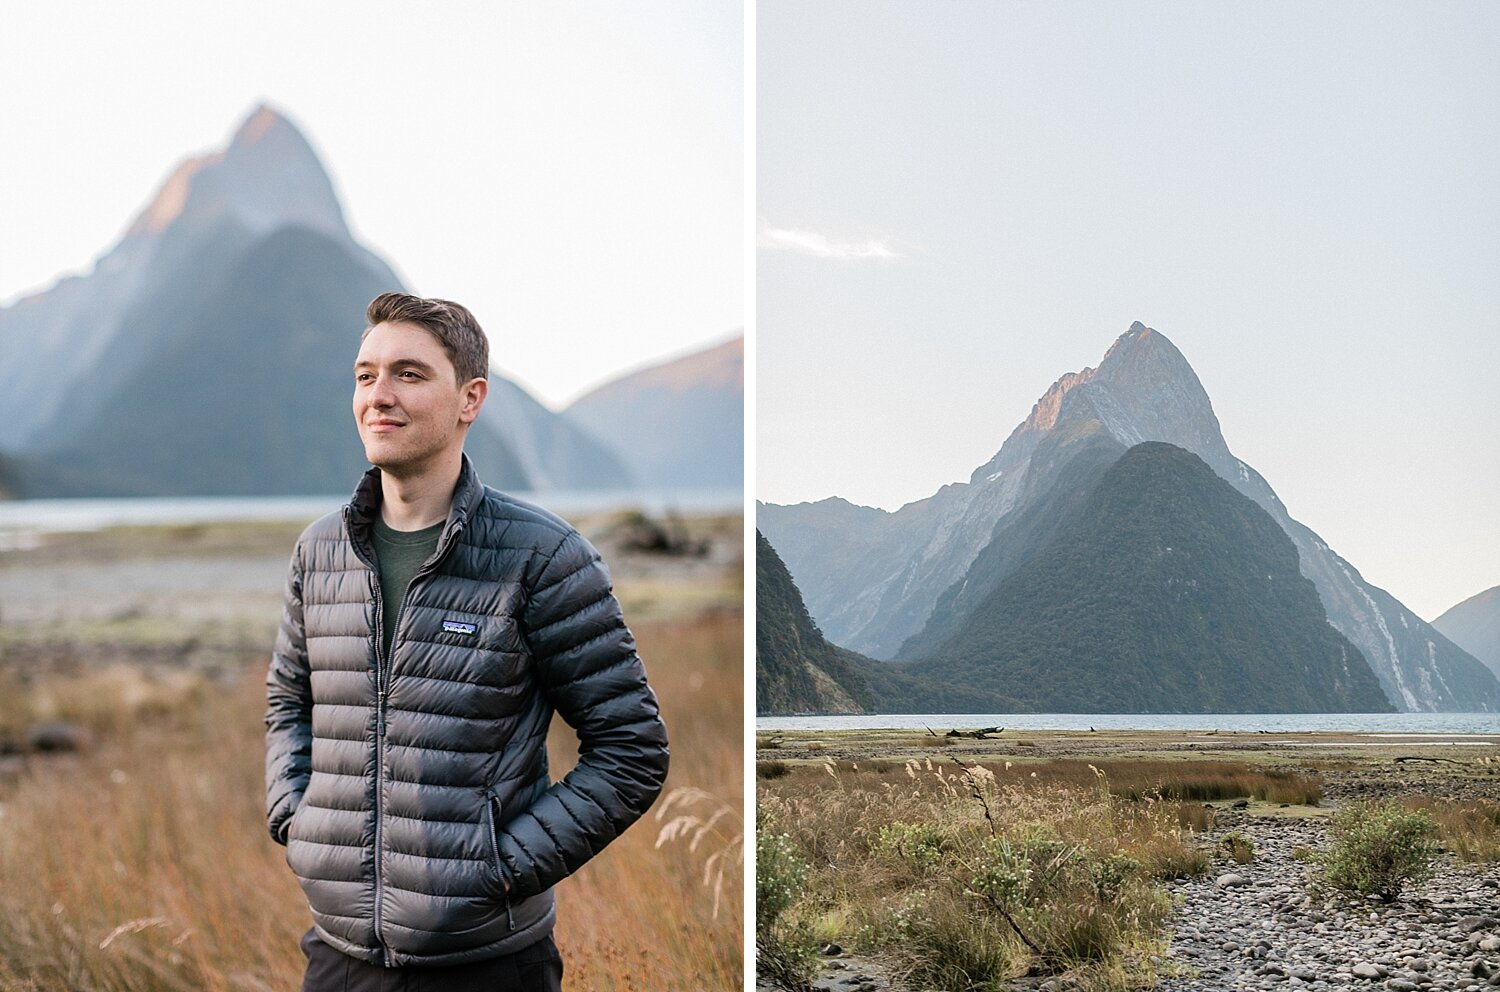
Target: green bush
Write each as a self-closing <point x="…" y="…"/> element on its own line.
<point x="784" y="949"/>
<point x="1378" y="848"/>
<point x="779" y="876"/>
<point x="918" y="844"/>
<point x="1069" y="903"/>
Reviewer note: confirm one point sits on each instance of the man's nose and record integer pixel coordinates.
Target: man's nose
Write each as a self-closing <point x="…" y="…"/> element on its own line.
<point x="381" y="393"/>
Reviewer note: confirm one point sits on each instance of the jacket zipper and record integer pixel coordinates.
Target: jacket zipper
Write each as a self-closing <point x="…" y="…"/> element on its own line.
<point x="495" y="808"/>
<point x="382" y="693"/>
<point x="382" y="656"/>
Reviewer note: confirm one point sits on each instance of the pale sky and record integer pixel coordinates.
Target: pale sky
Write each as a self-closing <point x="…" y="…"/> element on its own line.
<point x="958" y="202"/>
<point x="571" y="172"/>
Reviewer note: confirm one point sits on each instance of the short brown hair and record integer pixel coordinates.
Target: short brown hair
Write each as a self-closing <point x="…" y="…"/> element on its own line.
<point x="452" y="324"/>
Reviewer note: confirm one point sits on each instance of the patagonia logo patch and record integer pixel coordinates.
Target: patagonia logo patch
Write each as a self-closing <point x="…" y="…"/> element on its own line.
<point x="458" y="627"/>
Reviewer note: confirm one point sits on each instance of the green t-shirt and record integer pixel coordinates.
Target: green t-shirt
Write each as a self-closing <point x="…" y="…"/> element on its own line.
<point x="398" y="555"/>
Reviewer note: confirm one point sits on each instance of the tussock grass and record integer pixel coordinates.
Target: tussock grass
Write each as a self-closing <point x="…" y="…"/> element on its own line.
<point x="1188" y="781"/>
<point x="108" y="701"/>
<point x="143" y="863"/>
<point x="1469" y="828"/>
<point x="967" y="875"/>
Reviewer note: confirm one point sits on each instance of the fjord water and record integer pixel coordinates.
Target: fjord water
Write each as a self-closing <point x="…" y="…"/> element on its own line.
<point x="21" y="520"/>
<point x="1415" y="724"/>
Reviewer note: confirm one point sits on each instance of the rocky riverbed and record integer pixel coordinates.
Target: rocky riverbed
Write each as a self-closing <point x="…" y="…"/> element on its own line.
<point x="1255" y="926"/>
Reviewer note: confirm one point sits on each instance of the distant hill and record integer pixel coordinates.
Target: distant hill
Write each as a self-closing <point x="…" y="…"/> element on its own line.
<point x="209" y="351"/>
<point x="1163" y="591"/>
<point x="679" y="424"/>
<point x="1474" y="625"/>
<point x="796" y="670"/>
<point x="896" y="584"/>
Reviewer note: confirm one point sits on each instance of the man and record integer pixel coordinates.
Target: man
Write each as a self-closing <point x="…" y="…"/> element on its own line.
<point x="430" y="630"/>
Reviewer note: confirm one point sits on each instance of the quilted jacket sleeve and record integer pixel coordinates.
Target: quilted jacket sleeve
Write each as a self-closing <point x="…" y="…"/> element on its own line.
<point x="586" y="660"/>
<point x="288" y="711"/>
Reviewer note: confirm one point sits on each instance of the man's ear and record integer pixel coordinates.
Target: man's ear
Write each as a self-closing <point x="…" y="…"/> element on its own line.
<point x="474" y="392"/>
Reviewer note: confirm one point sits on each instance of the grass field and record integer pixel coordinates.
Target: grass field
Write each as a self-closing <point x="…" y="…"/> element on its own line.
<point x="141" y="862"/>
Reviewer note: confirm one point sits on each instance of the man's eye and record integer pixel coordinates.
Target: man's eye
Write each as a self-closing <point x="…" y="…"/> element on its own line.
<point x="362" y="377"/>
<point x="409" y="374"/>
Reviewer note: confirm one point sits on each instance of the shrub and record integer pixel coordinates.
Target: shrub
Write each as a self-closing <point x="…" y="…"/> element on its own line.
<point x="772" y="769"/>
<point x="779" y="876"/>
<point x="1378" y="848"/>
<point x="917" y="844"/>
<point x="784" y="949"/>
<point x="1071" y="905"/>
<point x="1238" y="847"/>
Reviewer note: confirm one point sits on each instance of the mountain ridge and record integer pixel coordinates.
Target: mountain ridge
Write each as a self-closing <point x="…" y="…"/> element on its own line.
<point x="677" y="423"/>
<point x="186" y="321"/>
<point x="1162" y="590"/>
<point x="1474" y="625"/>
<point x="873" y="585"/>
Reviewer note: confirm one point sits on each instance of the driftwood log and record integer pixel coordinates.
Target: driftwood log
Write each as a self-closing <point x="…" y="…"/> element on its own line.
<point x="982" y="734"/>
<point x="1422" y="757"/>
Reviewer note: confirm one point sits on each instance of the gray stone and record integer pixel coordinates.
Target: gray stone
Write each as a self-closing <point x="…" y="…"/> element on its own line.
<point x="1366" y="970"/>
<point x="57" y="736"/>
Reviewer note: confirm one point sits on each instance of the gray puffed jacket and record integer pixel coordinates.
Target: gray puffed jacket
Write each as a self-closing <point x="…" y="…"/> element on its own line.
<point x="411" y="790"/>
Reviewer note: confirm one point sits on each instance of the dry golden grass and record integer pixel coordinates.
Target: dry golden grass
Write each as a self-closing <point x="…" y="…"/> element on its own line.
<point x="143" y="864"/>
<point x="1468" y="828"/>
<point x="1196" y="781"/>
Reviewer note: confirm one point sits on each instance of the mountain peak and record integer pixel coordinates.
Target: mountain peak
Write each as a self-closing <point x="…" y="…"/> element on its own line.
<point x="262" y="120"/>
<point x="1143" y="354"/>
<point x="267" y="177"/>
<point x="271" y="177"/>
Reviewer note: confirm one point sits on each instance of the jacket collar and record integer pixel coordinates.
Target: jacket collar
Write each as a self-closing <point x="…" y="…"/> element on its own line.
<point x="359" y="513"/>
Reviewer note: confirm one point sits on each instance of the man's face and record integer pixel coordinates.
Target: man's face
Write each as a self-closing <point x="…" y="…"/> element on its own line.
<point x="411" y="409"/>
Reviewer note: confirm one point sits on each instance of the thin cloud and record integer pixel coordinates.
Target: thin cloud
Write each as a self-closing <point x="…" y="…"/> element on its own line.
<point x="819" y="246"/>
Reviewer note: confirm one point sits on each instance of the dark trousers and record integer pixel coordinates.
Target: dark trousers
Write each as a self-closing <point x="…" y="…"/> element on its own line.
<point x="537" y="968"/>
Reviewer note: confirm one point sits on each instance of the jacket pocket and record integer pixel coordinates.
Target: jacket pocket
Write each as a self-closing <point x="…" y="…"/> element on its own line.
<point x="492" y="819"/>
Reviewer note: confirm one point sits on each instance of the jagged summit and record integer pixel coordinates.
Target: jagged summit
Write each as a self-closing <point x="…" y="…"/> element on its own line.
<point x="1142" y="390"/>
<point x="263" y="120"/>
<point x="1142" y="348"/>
<point x="268" y="176"/>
